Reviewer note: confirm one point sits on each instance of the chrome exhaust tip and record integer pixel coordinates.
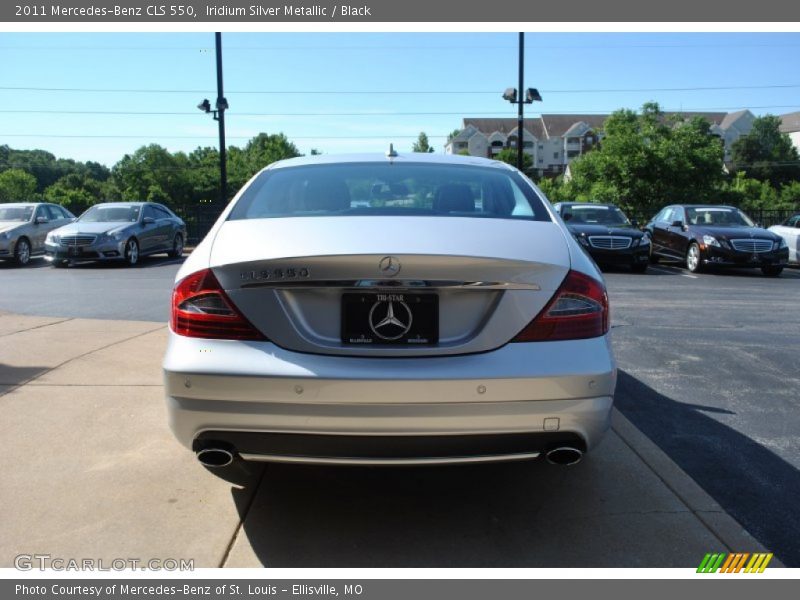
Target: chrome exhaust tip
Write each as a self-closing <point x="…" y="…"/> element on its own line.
<point x="564" y="456"/>
<point x="215" y="457"/>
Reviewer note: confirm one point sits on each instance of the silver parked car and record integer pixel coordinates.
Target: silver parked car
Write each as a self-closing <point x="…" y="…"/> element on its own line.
<point x="789" y="230"/>
<point x="117" y="231"/>
<point x="24" y="226"/>
<point x="398" y="309"/>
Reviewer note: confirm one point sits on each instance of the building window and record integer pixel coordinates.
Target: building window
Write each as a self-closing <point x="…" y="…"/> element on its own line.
<point x="497" y="144"/>
<point x="541" y="146"/>
<point x="555" y="154"/>
<point x="589" y="140"/>
<point x="527" y="144"/>
<point x="572" y="153"/>
<point x="541" y="160"/>
<point x="573" y="140"/>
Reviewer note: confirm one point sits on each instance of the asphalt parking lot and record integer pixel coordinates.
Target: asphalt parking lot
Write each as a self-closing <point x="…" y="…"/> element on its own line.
<point x="709" y="373"/>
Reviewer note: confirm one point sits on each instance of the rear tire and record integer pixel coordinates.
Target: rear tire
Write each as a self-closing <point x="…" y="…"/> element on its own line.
<point x="59" y="264"/>
<point x="772" y="270"/>
<point x="22" y="252"/>
<point x="693" y="261"/>
<point x="639" y="268"/>
<point x="177" y="247"/>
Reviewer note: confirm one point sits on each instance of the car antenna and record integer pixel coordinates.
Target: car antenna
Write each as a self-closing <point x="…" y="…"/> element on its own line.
<point x="391" y="152"/>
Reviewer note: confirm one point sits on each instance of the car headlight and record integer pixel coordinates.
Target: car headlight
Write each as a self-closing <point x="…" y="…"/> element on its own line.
<point x="582" y="239"/>
<point x="644" y="240"/>
<point x="114" y="235"/>
<point x="780" y="244"/>
<point x="710" y="240"/>
<point x="52" y="238"/>
<point x="4" y="236"/>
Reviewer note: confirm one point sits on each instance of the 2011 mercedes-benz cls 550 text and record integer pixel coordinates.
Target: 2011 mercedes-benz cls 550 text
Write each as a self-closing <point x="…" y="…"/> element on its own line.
<point x="397" y="309"/>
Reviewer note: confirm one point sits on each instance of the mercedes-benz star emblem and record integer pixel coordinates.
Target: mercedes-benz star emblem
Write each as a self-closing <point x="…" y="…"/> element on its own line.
<point x="390" y="319"/>
<point x="389" y="266"/>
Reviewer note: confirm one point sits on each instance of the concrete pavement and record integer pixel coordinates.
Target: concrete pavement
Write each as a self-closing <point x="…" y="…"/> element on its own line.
<point x="92" y="471"/>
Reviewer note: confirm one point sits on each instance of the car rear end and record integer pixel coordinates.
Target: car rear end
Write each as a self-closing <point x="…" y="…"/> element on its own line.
<point x="437" y="324"/>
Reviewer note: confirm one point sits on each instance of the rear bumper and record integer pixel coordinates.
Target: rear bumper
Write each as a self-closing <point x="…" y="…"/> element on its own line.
<point x="266" y="402"/>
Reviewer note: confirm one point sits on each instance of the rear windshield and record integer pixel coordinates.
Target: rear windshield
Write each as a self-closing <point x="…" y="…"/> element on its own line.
<point x="390" y="189"/>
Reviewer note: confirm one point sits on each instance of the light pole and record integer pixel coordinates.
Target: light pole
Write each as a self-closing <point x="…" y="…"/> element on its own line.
<point x="220" y="107"/>
<point x="531" y="95"/>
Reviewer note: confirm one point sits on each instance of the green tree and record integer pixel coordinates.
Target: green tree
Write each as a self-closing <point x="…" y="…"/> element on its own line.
<point x="646" y="161"/>
<point x="767" y="154"/>
<point x="422" y="144"/>
<point x="17" y="186"/>
<point x="509" y="155"/>
<point x="76" y="192"/>
<point x="261" y="151"/>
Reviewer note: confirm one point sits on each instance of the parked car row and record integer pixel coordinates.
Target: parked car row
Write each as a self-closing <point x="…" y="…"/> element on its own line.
<point x="122" y="231"/>
<point x="698" y="236"/>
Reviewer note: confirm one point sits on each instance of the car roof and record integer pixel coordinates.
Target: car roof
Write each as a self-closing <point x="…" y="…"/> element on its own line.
<point x="124" y="204"/>
<point x="401" y="157"/>
<point x="20" y="204"/>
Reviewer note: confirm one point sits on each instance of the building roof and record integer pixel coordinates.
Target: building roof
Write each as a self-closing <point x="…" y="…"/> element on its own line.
<point x="505" y="126"/>
<point x="557" y="125"/>
<point x="790" y="122"/>
<point x="730" y="118"/>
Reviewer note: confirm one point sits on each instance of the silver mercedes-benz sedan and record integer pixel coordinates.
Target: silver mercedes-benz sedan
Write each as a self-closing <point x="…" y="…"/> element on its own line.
<point x="117" y="231"/>
<point x="24" y="226"/>
<point x="397" y="309"/>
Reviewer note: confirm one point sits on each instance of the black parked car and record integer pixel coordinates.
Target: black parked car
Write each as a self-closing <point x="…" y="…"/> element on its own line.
<point x="606" y="234"/>
<point x="710" y="235"/>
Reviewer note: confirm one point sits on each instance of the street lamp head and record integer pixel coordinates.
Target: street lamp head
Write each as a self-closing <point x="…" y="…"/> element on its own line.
<point x="205" y="106"/>
<point x="532" y="95"/>
<point x="511" y="95"/>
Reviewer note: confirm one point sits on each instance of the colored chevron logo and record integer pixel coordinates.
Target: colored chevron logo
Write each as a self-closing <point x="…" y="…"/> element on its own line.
<point x="738" y="562"/>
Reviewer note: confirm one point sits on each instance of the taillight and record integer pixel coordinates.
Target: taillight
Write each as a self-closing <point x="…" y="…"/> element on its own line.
<point x="200" y="308"/>
<point x="578" y="310"/>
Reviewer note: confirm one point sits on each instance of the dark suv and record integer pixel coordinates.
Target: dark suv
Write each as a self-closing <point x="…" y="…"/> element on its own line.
<point x="606" y="234"/>
<point x="701" y="235"/>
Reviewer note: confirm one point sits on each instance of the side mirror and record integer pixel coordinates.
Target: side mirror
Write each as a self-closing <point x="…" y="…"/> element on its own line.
<point x="40" y="220"/>
<point x="678" y="224"/>
<point x="635" y="223"/>
<point x="148" y="221"/>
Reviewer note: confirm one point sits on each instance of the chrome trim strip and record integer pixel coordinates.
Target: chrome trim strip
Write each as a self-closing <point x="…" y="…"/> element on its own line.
<point x="410" y="284"/>
<point x="444" y="460"/>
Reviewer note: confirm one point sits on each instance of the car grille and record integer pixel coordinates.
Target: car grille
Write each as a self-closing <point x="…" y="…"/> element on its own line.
<point x="609" y="242"/>
<point x="752" y="246"/>
<point x="78" y="240"/>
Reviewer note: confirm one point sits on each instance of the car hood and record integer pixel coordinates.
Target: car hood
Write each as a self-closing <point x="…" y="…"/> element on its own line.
<point x="95" y="228"/>
<point x="727" y="233"/>
<point x="593" y="229"/>
<point x="9" y="225"/>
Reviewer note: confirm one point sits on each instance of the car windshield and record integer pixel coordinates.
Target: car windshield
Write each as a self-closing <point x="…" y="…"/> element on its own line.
<point x="718" y="217"/>
<point x="16" y="213"/>
<point x="390" y="189"/>
<point x="111" y="214"/>
<point x="595" y="215"/>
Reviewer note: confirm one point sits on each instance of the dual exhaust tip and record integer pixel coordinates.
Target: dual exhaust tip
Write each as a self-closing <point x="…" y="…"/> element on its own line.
<point x="220" y="457"/>
<point x="564" y="456"/>
<point x="215" y="457"/>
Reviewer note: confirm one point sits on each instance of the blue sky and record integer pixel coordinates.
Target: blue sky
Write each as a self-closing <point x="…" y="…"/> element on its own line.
<point x="446" y="75"/>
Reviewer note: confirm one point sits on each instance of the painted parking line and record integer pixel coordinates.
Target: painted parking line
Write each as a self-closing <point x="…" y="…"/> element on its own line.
<point x="673" y="272"/>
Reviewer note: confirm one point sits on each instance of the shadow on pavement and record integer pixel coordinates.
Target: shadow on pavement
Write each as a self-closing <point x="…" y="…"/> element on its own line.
<point x="751" y="483"/>
<point x="10" y="375"/>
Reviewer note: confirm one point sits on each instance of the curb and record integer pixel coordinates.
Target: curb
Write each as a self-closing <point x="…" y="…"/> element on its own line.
<point x="730" y="533"/>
